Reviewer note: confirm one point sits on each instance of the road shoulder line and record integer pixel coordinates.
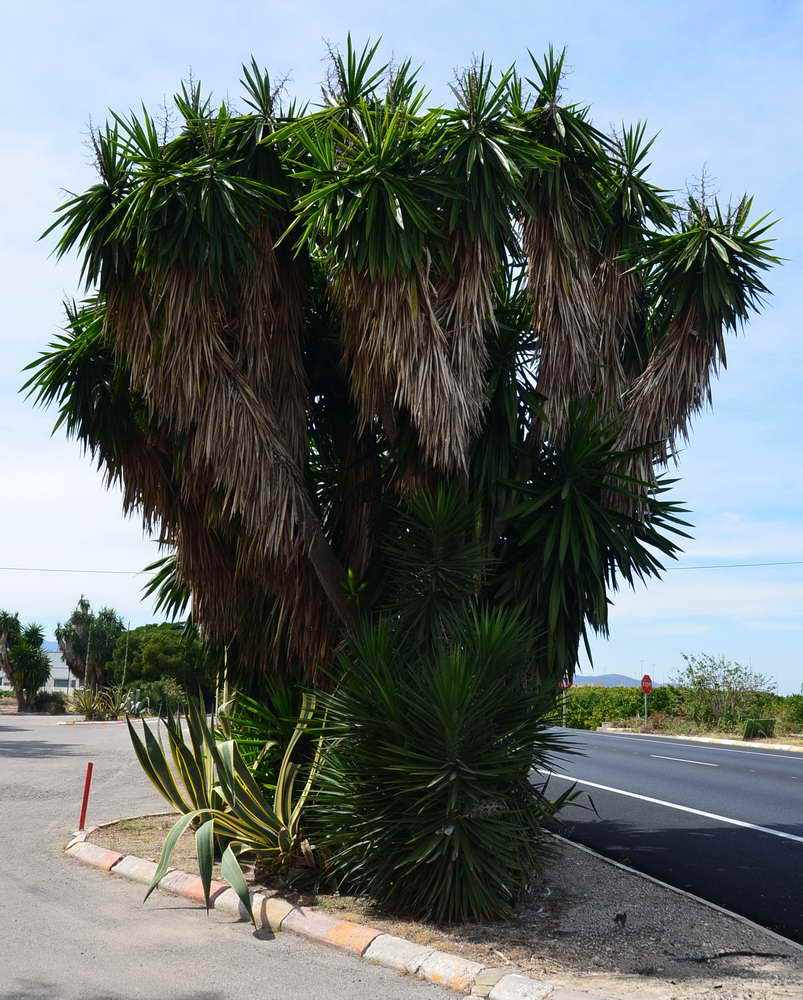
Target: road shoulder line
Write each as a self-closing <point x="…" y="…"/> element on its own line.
<point x="675" y="805"/>
<point x="714" y="741"/>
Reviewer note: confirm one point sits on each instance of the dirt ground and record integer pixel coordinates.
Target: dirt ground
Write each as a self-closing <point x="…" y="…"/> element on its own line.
<point x="670" y="947"/>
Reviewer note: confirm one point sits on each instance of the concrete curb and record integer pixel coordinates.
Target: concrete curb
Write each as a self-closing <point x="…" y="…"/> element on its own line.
<point x="452" y="971"/>
<point x="717" y="740"/>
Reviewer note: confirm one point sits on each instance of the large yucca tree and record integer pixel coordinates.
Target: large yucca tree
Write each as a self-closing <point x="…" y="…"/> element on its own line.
<point x="318" y="338"/>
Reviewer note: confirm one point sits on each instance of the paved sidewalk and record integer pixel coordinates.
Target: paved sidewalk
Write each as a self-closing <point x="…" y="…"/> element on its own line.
<point x="110" y="947"/>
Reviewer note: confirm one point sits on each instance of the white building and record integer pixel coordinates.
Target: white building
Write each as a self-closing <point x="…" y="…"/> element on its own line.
<point x="60" y="677"/>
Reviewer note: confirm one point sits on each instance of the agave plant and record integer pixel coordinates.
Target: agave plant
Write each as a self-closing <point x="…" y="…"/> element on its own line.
<point x="186" y="777"/>
<point x="237" y="815"/>
<point x="88" y="702"/>
<point x="261" y="728"/>
<point x="113" y="700"/>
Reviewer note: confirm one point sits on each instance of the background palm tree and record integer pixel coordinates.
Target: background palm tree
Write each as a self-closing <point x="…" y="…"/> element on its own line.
<point x="303" y="320"/>
<point x="22" y="660"/>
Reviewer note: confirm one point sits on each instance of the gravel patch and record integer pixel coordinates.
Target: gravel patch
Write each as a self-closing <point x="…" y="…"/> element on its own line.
<point x="586" y="925"/>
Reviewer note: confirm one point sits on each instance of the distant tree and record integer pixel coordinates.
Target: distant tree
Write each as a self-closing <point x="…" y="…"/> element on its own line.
<point x="87" y="642"/>
<point x="21" y="656"/>
<point x="155" y="652"/>
<point x="716" y="691"/>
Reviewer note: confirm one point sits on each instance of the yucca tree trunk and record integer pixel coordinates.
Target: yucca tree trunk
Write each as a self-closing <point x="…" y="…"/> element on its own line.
<point x="616" y="289"/>
<point x="5" y="664"/>
<point x="331" y="576"/>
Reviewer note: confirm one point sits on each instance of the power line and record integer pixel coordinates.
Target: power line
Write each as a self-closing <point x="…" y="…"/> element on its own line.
<point x="48" y="569"/>
<point x="136" y="572"/>
<point x="794" y="562"/>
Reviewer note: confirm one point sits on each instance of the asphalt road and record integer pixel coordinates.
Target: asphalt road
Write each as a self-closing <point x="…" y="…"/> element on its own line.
<point x="72" y="933"/>
<point x="737" y="839"/>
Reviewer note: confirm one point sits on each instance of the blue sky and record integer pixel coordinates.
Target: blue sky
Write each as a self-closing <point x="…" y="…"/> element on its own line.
<point x="720" y="80"/>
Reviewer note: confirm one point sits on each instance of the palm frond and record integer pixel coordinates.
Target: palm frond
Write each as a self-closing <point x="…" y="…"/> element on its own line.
<point x="705" y="280"/>
<point x="560" y="228"/>
<point x="573" y="538"/>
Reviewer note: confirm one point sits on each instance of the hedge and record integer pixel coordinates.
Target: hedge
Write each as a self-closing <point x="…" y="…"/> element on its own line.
<point x="589" y="705"/>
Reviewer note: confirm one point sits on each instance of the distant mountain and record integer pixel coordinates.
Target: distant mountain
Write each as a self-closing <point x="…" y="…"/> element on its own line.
<point x="49" y="646"/>
<point x="607" y="680"/>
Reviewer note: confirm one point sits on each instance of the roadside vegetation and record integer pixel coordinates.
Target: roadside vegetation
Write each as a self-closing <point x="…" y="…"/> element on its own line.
<point x="143" y="671"/>
<point x="709" y="695"/>
<point x="395" y="387"/>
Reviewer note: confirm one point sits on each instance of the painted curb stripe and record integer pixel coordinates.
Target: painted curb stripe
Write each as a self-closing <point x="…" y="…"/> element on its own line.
<point x="358" y="939"/>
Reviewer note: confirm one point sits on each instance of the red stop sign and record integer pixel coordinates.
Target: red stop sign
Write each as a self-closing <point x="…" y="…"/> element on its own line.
<point x="646" y="684"/>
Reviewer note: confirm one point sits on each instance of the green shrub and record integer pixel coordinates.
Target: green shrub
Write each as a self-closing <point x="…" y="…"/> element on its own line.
<point x="89" y="703"/>
<point x="756" y="729"/>
<point x="792" y="711"/>
<point x="666" y="699"/>
<point x="262" y="729"/>
<point x="589" y="705"/>
<point x="425" y="795"/>
<point x="155" y="697"/>
<point x="52" y="702"/>
<point x="721" y="694"/>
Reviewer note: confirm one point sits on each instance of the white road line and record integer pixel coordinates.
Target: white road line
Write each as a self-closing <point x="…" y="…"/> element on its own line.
<point x="684" y="760"/>
<point x="686" y="746"/>
<point x="675" y="805"/>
